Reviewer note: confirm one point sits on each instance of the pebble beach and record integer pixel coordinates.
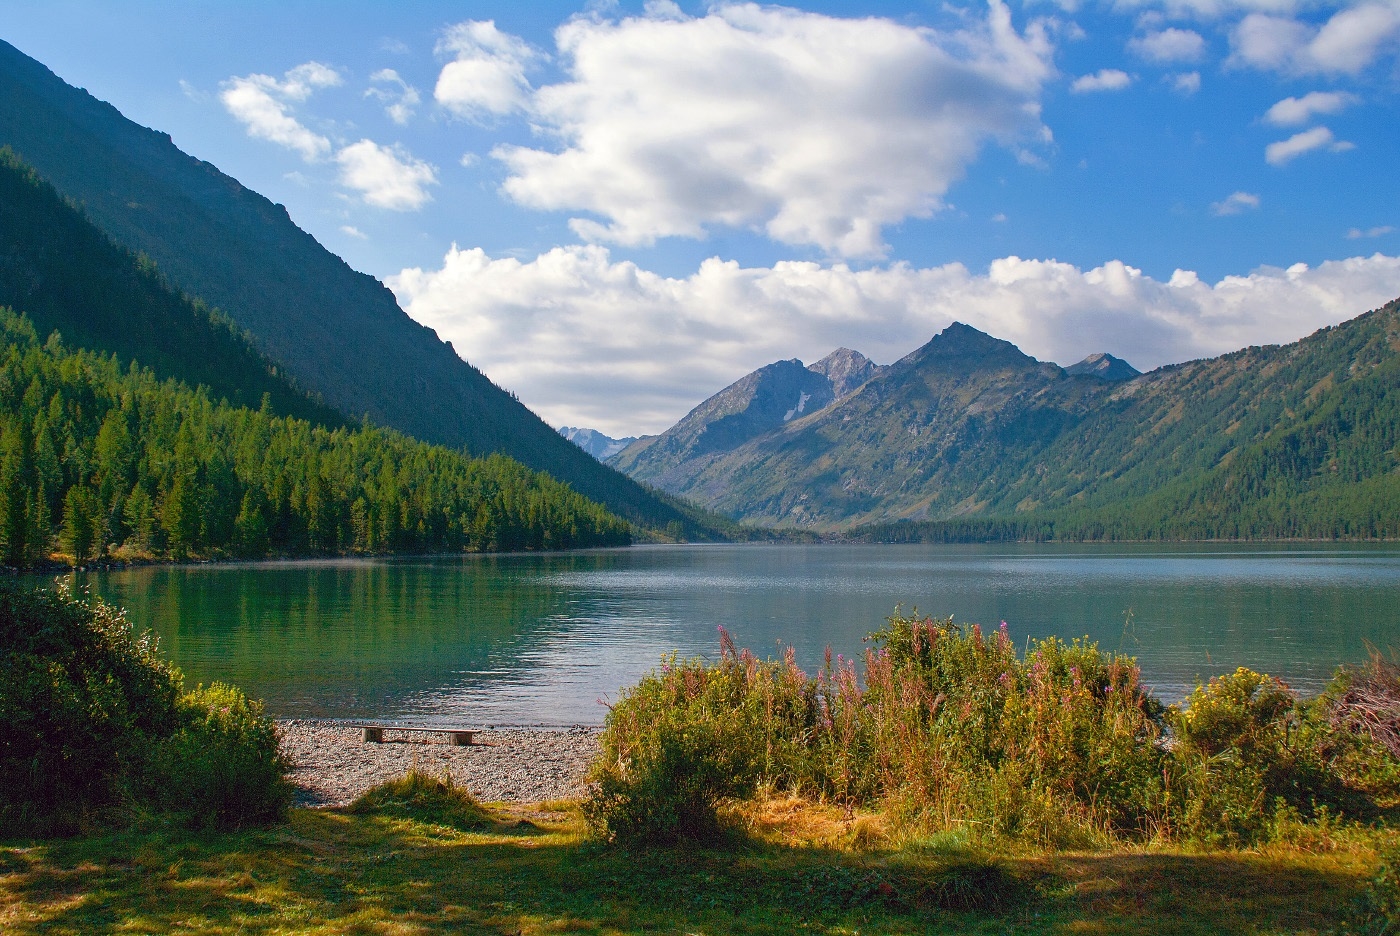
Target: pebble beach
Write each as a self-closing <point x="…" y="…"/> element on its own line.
<point x="333" y="764"/>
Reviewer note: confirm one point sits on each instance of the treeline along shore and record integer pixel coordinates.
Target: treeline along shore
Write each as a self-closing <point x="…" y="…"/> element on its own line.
<point x="97" y="460"/>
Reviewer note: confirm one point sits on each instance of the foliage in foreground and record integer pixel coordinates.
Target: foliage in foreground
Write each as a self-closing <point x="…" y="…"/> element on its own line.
<point x="421" y="797"/>
<point x="95" y="720"/>
<point x="330" y="871"/>
<point x="951" y="728"/>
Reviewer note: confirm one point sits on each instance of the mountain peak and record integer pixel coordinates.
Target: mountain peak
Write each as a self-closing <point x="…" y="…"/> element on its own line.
<point x="846" y="369"/>
<point x="595" y="443"/>
<point x="967" y="348"/>
<point x="1104" y="366"/>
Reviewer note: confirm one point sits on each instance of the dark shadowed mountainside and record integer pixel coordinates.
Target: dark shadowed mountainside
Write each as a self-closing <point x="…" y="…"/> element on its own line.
<point x="339" y="333"/>
<point x="67" y="276"/>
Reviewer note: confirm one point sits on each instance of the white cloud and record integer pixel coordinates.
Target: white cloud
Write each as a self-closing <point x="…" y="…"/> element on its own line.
<point x="399" y="101"/>
<point x="487" y="76"/>
<point x="1236" y="203"/>
<point x="351" y="231"/>
<point x="1291" y="111"/>
<point x="263" y="105"/>
<point x="1187" y="83"/>
<point x="812" y="129"/>
<point x="386" y="176"/>
<point x="1381" y="231"/>
<point x="1105" y="79"/>
<point x="588" y="341"/>
<point x="1284" y="151"/>
<point x="1170" y="45"/>
<point x="1346" y="44"/>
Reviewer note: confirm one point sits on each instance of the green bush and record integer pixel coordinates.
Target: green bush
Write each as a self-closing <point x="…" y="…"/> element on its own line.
<point x="663" y="779"/>
<point x="223" y="767"/>
<point x="96" y="720"/>
<point x="82" y="701"/>
<point x="421" y="797"/>
<point x="954" y="730"/>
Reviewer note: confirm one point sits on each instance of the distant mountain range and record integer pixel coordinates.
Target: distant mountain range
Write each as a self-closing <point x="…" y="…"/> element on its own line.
<point x="338" y="333"/>
<point x="967" y="437"/>
<point x="594" y="442"/>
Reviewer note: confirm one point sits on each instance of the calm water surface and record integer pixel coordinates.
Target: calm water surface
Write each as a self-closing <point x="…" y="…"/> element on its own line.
<point x="544" y="638"/>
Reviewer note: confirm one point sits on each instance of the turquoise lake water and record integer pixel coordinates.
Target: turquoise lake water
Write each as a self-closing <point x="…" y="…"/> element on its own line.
<point x="547" y="639"/>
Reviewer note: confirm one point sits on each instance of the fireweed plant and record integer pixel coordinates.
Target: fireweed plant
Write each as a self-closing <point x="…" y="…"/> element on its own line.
<point x="950" y="728"/>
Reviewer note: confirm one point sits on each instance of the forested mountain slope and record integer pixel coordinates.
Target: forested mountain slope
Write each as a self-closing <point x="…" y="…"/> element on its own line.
<point x="68" y="276"/>
<point x="339" y="333"/>
<point x="1293" y="440"/>
<point x="94" y="455"/>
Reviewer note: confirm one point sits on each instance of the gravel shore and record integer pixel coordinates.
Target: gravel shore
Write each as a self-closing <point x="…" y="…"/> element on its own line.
<point x="514" y="765"/>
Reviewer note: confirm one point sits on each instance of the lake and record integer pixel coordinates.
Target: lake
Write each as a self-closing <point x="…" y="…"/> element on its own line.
<point x="545" y="639"/>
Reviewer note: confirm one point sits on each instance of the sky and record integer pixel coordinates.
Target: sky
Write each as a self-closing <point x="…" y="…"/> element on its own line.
<point x="615" y="209"/>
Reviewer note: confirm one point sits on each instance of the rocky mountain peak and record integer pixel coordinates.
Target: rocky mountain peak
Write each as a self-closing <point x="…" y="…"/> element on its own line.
<point x="1105" y="367"/>
<point x="846" y="369"/>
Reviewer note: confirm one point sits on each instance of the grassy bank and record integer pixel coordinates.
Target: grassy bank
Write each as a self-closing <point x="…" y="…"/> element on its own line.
<point x="795" y="867"/>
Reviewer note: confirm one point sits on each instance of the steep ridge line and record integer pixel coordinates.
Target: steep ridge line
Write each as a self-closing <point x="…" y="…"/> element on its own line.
<point x="338" y="332"/>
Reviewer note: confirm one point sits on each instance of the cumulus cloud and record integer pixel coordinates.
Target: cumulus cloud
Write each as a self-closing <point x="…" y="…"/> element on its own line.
<point x="813" y="129"/>
<point x="349" y="230"/>
<point x="1235" y="203"/>
<point x="399" y="98"/>
<point x="1105" y="79"/>
<point x="1291" y="111"/>
<point x="487" y="73"/>
<point x="1169" y="45"/>
<point x="1285" y="151"/>
<point x="1346" y="44"/>
<point x="263" y="105"/>
<point x="586" y="340"/>
<point x="386" y="176"/>
<point x="1187" y="83"/>
<point x="1381" y="231"/>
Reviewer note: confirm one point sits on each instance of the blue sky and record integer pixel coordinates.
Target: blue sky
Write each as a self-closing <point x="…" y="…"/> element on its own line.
<point x="617" y="209"/>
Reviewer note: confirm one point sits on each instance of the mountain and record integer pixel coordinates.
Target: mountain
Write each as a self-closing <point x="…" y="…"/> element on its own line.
<point x="594" y="442"/>
<point x="67" y="276"/>
<point x="749" y="408"/>
<point x="846" y="369"/>
<point x="338" y="333"/>
<point x="1105" y="367"/>
<point x="105" y="458"/>
<point x="974" y="439"/>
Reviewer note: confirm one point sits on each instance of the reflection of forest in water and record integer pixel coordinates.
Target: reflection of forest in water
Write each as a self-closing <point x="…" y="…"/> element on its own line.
<point x="341" y="638"/>
<point x="542" y="637"/>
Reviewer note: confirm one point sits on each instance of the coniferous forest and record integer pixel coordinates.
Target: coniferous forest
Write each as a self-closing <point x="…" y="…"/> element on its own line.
<point x="96" y="458"/>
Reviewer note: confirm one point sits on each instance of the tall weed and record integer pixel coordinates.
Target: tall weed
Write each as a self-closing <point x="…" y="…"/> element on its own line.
<point x="952" y="729"/>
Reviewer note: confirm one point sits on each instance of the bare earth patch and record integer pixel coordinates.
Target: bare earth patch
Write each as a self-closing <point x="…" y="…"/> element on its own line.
<point x="516" y="765"/>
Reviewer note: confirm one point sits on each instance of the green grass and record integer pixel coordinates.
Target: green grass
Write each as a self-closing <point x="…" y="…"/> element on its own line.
<point x="795" y="869"/>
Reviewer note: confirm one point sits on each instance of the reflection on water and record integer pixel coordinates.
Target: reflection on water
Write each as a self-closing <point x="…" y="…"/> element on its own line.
<point x="544" y="638"/>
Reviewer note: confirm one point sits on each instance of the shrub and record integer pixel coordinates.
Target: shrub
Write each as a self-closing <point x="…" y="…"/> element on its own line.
<point x="421" y="797"/>
<point x="222" y="768"/>
<point x="95" y="719"/>
<point x="82" y="700"/>
<point x="952" y="729"/>
<point x="674" y="750"/>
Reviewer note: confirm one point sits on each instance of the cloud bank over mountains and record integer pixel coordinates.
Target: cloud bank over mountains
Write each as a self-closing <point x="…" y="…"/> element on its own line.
<point x="588" y="340"/>
<point x="823" y="135"/>
<point x="813" y="129"/>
